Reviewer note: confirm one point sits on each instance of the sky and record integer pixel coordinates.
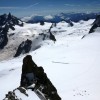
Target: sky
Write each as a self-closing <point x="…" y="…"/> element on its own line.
<point x="23" y="8"/>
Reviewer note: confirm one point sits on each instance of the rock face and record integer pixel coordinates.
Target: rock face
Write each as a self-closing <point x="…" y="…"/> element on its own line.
<point x="3" y="37"/>
<point x="7" y="22"/>
<point x="24" y="47"/>
<point x="52" y="37"/>
<point x="10" y="20"/>
<point x="96" y="24"/>
<point x="32" y="74"/>
<point x="42" y="23"/>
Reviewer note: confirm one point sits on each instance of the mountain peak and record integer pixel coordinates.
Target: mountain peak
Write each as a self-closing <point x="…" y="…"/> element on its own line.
<point x="7" y="22"/>
<point x="9" y="15"/>
<point x="10" y="19"/>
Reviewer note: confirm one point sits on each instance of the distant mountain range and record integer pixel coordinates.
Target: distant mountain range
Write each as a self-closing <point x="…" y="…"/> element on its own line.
<point x="60" y="17"/>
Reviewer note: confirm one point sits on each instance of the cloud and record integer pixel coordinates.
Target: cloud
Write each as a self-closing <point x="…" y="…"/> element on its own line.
<point x="48" y="17"/>
<point x="71" y="5"/>
<point x="11" y="7"/>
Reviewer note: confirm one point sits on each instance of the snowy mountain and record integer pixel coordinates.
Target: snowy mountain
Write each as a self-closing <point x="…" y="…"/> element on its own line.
<point x="76" y="17"/>
<point x="17" y="37"/>
<point x="10" y="20"/>
<point x="71" y="63"/>
<point x="7" y="22"/>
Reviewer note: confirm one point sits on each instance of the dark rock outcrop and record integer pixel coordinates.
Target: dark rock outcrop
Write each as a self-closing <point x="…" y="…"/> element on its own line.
<point x="96" y="24"/>
<point x="10" y="20"/>
<point x="70" y="23"/>
<point x="42" y="83"/>
<point x="42" y="23"/>
<point x="23" y="48"/>
<point x="43" y="87"/>
<point x="52" y="37"/>
<point x="3" y="37"/>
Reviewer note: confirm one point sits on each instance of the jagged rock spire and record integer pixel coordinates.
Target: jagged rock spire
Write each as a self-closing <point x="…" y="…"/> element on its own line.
<point x="9" y="15"/>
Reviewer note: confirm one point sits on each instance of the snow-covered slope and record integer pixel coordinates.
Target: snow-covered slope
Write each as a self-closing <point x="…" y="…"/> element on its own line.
<point x="72" y="63"/>
<point x="16" y="37"/>
<point x="20" y="37"/>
